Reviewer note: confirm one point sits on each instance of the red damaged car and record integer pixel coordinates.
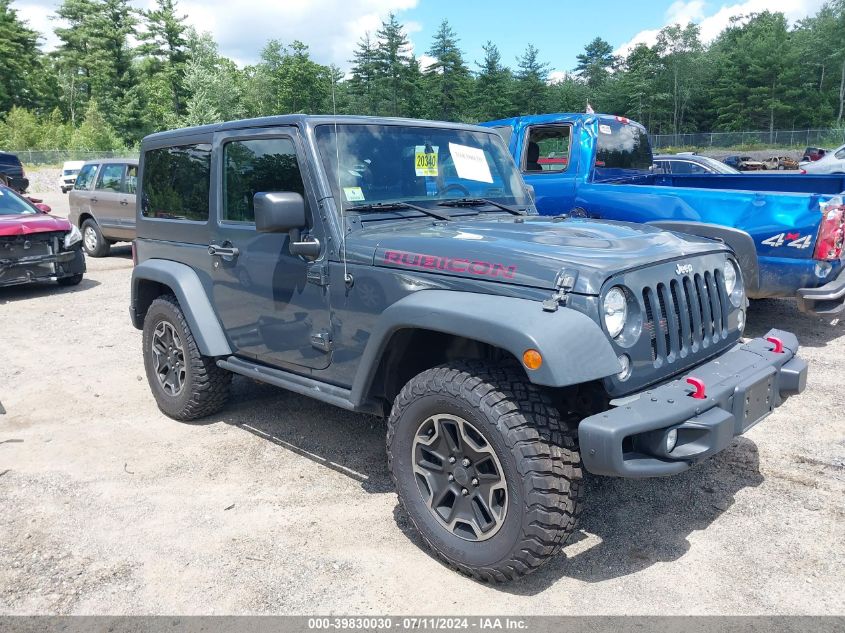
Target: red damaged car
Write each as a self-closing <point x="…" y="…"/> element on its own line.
<point x="35" y="246"/>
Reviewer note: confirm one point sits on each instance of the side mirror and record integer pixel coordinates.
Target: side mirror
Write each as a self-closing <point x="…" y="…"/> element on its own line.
<point x="280" y="212"/>
<point x="44" y="208"/>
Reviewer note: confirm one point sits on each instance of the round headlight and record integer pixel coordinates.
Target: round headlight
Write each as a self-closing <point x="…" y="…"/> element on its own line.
<point x="732" y="283"/>
<point x="615" y="310"/>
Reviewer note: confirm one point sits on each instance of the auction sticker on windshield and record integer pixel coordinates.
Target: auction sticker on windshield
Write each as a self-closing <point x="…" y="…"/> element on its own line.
<point x="470" y="163"/>
<point x="353" y="194"/>
<point x="425" y="161"/>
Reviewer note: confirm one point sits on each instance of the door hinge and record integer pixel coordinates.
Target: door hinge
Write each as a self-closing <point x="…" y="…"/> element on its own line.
<point x="564" y="283"/>
<point x="322" y="341"/>
<point x="318" y="274"/>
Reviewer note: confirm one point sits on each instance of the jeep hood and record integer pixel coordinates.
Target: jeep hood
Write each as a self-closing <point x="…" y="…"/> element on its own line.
<point x="527" y="251"/>
<point x="11" y="225"/>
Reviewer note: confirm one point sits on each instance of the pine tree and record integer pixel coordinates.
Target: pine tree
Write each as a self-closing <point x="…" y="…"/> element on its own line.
<point x="532" y="77"/>
<point x="494" y="87"/>
<point x="362" y="84"/>
<point x="595" y="62"/>
<point x="164" y="46"/>
<point x="22" y="81"/>
<point x="392" y="57"/>
<point x="447" y="77"/>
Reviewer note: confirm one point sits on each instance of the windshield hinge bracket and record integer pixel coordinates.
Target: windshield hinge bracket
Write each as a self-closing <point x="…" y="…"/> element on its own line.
<point x="318" y="274"/>
<point x="564" y="283"/>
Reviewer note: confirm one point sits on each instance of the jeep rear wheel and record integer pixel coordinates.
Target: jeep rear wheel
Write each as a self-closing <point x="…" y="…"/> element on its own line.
<point x="186" y="384"/>
<point x="484" y="468"/>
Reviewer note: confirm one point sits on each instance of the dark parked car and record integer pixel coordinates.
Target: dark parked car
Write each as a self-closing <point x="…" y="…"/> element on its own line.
<point x="12" y="173"/>
<point x="35" y="246"/>
<point x="690" y="164"/>
<point x="102" y="203"/>
<point x="744" y="163"/>
<point x="399" y="268"/>
<point x="812" y="154"/>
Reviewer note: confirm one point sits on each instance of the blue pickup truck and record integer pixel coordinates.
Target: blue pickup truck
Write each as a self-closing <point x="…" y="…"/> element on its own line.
<point x="787" y="230"/>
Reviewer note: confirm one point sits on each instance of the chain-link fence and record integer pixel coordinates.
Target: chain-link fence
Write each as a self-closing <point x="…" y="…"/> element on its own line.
<point x="58" y="156"/>
<point x="831" y="137"/>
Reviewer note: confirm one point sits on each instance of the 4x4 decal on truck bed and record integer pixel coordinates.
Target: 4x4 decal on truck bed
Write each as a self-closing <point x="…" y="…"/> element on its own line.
<point x="452" y="264"/>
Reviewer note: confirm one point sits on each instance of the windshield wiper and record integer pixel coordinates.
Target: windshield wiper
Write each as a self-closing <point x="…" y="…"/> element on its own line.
<point x="392" y="206"/>
<point x="477" y="202"/>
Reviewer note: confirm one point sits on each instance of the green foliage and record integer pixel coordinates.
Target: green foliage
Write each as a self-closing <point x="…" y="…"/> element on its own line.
<point x="120" y="73"/>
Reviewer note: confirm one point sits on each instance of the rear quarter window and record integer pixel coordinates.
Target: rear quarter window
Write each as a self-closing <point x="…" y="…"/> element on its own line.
<point x="622" y="149"/>
<point x="176" y="182"/>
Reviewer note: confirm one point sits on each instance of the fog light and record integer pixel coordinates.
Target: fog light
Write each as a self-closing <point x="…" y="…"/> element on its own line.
<point x="671" y="440"/>
<point x="740" y="320"/>
<point x="626" y="367"/>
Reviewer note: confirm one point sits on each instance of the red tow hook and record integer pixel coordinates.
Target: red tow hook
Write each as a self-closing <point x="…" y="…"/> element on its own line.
<point x="698" y="383"/>
<point x="778" y="344"/>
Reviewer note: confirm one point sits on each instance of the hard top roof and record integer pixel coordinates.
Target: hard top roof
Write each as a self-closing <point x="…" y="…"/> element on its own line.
<point x="302" y="120"/>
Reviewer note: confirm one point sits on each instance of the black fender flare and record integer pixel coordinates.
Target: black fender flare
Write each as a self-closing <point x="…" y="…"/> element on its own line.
<point x="193" y="300"/>
<point x="738" y="240"/>
<point x="574" y="348"/>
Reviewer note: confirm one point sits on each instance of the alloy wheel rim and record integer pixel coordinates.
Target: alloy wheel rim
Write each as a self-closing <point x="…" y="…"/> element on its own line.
<point x="90" y="238"/>
<point x="460" y="477"/>
<point x="169" y="358"/>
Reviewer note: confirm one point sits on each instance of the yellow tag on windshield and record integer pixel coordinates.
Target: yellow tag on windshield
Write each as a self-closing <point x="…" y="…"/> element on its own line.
<point x="425" y="162"/>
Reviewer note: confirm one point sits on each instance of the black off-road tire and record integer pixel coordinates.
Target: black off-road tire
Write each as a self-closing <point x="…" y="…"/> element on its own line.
<point x="538" y="455"/>
<point x="72" y="280"/>
<point x="101" y="246"/>
<point x="206" y="386"/>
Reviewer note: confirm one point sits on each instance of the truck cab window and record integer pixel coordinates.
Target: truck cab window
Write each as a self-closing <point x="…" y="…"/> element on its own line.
<point x="547" y="148"/>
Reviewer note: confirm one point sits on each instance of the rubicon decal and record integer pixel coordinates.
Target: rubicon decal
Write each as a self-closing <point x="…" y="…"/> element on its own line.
<point x="449" y="264"/>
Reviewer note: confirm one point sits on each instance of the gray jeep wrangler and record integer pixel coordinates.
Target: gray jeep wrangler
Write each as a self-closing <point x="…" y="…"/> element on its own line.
<point x="399" y="268"/>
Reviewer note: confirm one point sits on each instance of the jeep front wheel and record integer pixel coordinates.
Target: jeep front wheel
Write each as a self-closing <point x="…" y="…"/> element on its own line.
<point x="186" y="384"/>
<point x="484" y="468"/>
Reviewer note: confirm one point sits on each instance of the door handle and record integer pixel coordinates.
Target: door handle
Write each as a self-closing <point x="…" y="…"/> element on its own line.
<point x="223" y="251"/>
<point x="124" y="202"/>
<point x="94" y="200"/>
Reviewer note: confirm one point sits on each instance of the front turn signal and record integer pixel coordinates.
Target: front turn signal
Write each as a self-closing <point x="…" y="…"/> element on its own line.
<point x="532" y="359"/>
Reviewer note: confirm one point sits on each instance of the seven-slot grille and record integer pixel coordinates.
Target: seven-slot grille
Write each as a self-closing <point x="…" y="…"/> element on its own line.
<point x="685" y="315"/>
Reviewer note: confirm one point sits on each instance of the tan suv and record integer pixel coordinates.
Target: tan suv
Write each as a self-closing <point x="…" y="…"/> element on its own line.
<point x="102" y="203"/>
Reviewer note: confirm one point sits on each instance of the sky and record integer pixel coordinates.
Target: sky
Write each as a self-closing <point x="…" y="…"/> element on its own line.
<point x="331" y="28"/>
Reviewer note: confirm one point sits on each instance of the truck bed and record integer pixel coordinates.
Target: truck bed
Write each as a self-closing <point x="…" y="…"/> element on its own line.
<point x="785" y="183"/>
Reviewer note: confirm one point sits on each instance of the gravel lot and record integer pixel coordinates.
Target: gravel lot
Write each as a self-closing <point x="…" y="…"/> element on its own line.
<point x="283" y="505"/>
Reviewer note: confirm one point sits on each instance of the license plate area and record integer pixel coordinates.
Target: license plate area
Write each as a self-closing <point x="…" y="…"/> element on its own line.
<point x="754" y="399"/>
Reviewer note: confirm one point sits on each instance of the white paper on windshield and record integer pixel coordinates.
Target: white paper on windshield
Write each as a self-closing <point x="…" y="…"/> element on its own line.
<point x="470" y="163"/>
<point x="605" y="129"/>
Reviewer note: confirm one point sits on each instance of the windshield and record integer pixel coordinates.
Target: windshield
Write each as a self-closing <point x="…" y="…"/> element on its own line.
<point x="10" y="204"/>
<point x="426" y="165"/>
<point x="622" y="149"/>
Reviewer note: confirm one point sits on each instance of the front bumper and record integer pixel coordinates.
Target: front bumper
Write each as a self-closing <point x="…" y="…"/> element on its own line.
<point x="24" y="270"/>
<point x="827" y="300"/>
<point x="742" y="386"/>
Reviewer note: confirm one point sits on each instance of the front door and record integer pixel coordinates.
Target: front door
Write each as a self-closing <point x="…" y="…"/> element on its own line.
<point x="273" y="305"/>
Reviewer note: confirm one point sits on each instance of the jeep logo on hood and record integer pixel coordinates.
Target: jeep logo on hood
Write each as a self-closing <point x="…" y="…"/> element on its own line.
<point x="683" y="269"/>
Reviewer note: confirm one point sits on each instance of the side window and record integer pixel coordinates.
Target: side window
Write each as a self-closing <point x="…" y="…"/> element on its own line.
<point x="695" y="168"/>
<point x="547" y="148"/>
<point x="111" y="175"/>
<point x="840" y="154"/>
<point x="130" y="183"/>
<point x="661" y="167"/>
<point x="85" y="179"/>
<point x="681" y="167"/>
<point x="252" y="166"/>
<point x="176" y="182"/>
